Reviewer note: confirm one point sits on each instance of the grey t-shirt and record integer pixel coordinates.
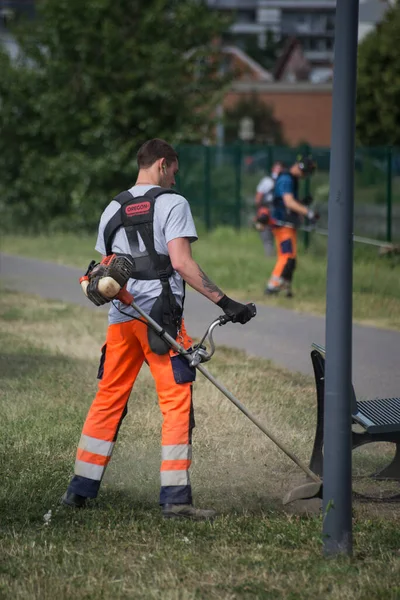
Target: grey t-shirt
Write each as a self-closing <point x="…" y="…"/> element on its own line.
<point x="266" y="188"/>
<point x="172" y="219"/>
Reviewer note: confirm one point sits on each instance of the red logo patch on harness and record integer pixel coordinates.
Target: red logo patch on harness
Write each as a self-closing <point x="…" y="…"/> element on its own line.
<point x="137" y="209"/>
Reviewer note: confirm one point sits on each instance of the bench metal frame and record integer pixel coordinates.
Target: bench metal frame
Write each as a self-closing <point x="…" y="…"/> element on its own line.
<point x="378" y="421"/>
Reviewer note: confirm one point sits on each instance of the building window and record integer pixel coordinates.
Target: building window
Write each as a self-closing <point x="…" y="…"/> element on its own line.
<point x="245" y="16"/>
<point x="330" y="24"/>
<point x="318" y="23"/>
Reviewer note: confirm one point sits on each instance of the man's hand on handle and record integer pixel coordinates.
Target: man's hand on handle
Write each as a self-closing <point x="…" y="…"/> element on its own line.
<point x="312" y="216"/>
<point x="237" y="312"/>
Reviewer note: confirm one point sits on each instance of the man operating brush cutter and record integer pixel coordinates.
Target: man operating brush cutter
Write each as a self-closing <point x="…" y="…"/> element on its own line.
<point x="144" y="236"/>
<point x="116" y="271"/>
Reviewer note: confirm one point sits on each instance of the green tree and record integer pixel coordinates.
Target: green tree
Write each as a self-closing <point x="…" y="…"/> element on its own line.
<point x="378" y="94"/>
<point x="94" y="80"/>
<point x="267" y="129"/>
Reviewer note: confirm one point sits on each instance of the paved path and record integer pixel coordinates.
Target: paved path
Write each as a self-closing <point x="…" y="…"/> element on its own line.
<point x="278" y="334"/>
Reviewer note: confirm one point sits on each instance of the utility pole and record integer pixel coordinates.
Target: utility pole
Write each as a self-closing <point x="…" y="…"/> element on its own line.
<point x="337" y="492"/>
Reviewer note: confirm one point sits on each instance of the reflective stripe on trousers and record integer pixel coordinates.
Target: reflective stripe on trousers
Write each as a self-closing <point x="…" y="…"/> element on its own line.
<point x="127" y="348"/>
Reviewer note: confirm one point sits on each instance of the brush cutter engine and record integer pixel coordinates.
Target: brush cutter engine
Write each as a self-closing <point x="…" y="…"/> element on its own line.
<point x="102" y="281"/>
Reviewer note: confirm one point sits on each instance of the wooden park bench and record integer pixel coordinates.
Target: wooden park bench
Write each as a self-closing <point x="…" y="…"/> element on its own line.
<point x="376" y="420"/>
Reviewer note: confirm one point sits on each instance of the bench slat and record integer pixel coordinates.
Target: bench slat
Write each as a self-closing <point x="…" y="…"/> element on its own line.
<point x="379" y="415"/>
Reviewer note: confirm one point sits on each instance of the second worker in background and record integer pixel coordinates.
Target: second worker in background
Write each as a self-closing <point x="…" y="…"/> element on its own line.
<point x="286" y="215"/>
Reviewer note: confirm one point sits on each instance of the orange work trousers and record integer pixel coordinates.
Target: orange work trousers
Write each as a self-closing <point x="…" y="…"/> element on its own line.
<point x="286" y="248"/>
<point x="125" y="351"/>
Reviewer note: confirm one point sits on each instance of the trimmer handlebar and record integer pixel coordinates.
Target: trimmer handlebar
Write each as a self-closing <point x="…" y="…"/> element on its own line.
<point x="200" y="353"/>
<point x="253" y="309"/>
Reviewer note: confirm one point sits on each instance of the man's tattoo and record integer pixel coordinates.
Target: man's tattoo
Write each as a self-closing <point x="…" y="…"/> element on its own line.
<point x="208" y="284"/>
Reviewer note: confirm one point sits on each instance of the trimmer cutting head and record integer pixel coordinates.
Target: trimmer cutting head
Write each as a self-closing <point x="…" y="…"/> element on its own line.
<point x="304" y="492"/>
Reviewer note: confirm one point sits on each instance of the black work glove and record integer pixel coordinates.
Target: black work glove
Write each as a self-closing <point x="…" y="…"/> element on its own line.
<point x="239" y="313"/>
<point x="312" y="216"/>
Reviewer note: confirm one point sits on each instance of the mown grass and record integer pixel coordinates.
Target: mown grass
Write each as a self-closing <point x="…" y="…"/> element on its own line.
<point x="120" y="547"/>
<point x="236" y="262"/>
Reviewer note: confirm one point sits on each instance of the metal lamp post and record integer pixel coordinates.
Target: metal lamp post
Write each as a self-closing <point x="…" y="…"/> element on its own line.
<point x="337" y="494"/>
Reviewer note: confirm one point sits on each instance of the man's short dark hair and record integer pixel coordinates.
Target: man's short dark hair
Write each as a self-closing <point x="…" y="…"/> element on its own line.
<point x="154" y="149"/>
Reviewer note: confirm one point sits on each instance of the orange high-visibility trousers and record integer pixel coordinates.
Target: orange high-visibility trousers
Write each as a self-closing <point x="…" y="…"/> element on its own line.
<point x="126" y="349"/>
<point x="286" y="248"/>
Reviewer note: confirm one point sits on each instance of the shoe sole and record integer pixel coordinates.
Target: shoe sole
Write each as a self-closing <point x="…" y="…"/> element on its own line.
<point x="64" y="502"/>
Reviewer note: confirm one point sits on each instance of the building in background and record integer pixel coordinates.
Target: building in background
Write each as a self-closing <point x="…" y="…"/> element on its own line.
<point x="303" y="109"/>
<point x="310" y="22"/>
<point x="297" y="85"/>
<point x="371" y="13"/>
<point x="11" y="11"/>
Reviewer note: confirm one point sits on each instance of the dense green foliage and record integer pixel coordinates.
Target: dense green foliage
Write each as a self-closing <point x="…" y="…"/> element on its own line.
<point x="95" y="80"/>
<point x="378" y="106"/>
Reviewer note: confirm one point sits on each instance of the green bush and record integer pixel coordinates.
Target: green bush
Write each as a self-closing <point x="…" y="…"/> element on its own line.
<point x="94" y="80"/>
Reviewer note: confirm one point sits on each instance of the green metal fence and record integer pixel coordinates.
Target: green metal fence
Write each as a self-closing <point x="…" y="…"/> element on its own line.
<point x="220" y="183"/>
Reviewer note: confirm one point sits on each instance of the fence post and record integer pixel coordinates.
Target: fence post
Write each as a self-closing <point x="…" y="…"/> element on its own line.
<point x="238" y="187"/>
<point x="389" y="158"/>
<point x="270" y="158"/>
<point x="307" y="185"/>
<point x="207" y="187"/>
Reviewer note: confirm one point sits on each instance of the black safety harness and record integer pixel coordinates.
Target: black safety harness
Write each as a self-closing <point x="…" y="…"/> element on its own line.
<point x="136" y="216"/>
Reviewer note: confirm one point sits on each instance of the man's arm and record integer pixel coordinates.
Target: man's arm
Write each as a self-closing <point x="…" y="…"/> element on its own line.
<point x="258" y="198"/>
<point x="181" y="258"/>
<point x="180" y="253"/>
<point x="292" y="204"/>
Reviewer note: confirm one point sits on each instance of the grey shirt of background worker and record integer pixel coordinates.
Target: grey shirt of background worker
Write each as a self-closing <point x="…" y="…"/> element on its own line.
<point x="266" y="188"/>
<point x="172" y="219"/>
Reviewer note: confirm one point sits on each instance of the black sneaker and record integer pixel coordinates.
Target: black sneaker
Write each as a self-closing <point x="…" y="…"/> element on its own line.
<point x="73" y="500"/>
<point x="187" y="511"/>
<point x="272" y="291"/>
